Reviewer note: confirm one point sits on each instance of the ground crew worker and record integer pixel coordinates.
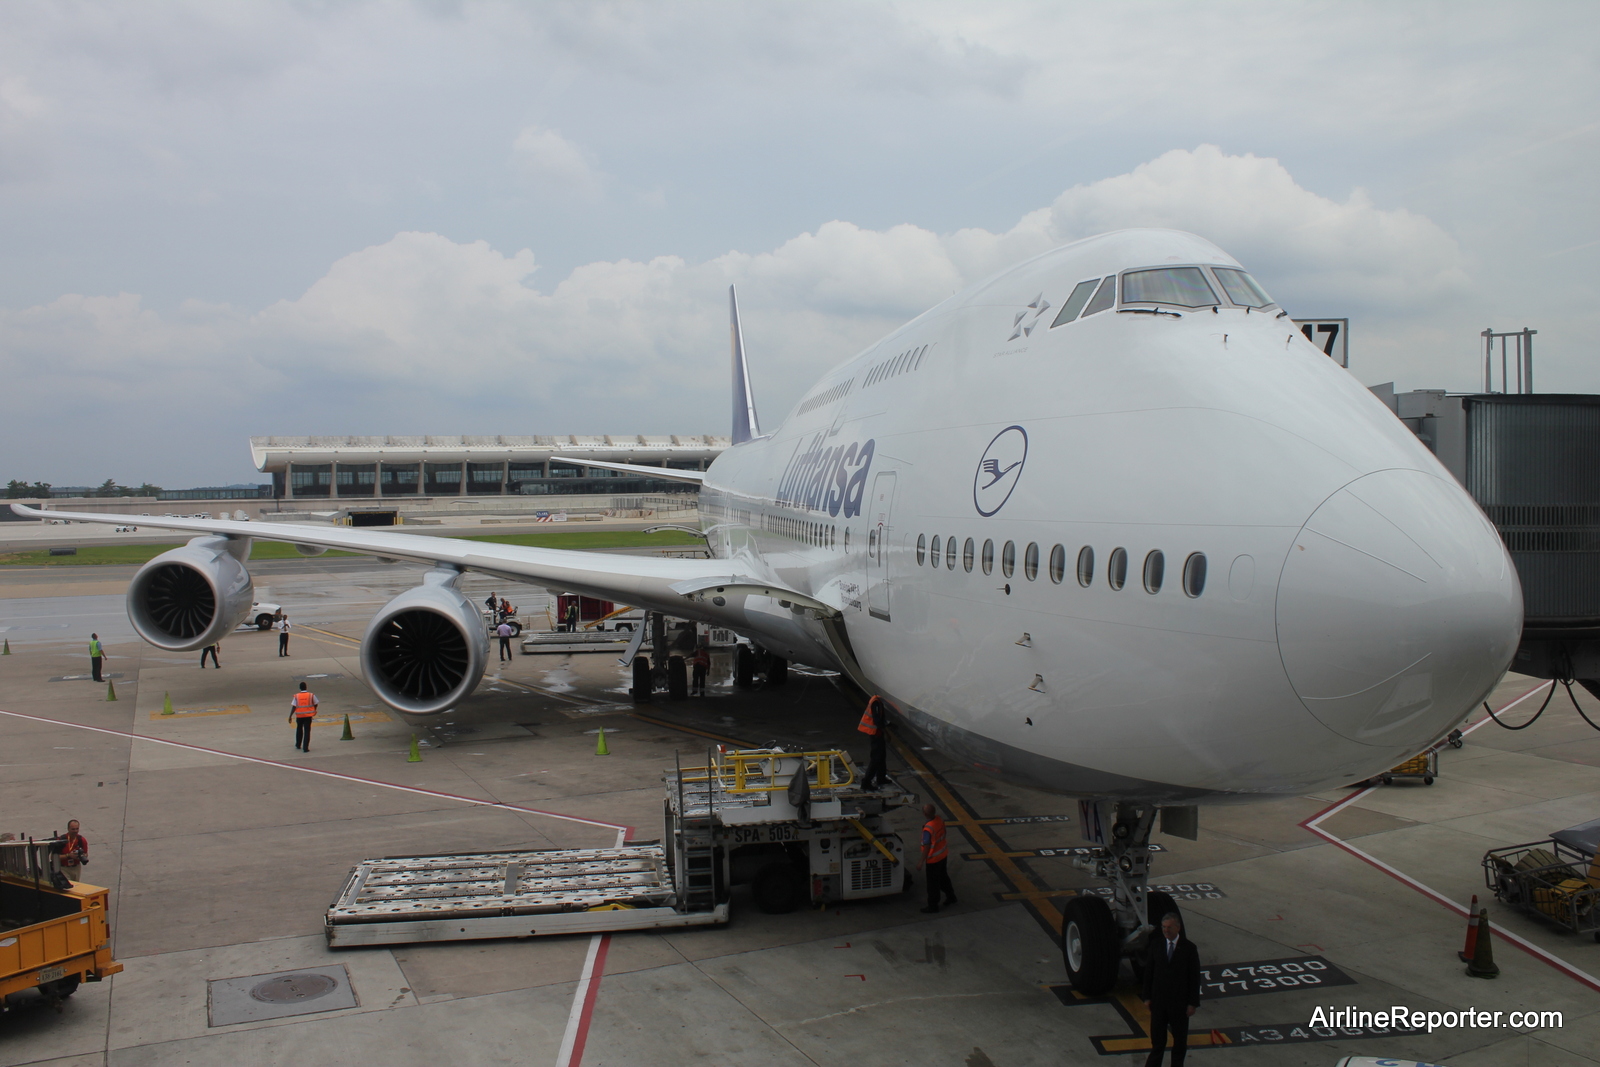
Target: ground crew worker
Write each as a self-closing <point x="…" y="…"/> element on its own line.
<point x="572" y="616"/>
<point x="283" y="635"/>
<point x="874" y="725"/>
<point x="301" y="711"/>
<point x="935" y="853"/>
<point x="210" y="650"/>
<point x="492" y="602"/>
<point x="97" y="653"/>
<point x="1171" y="989"/>
<point x="700" y="664"/>
<point x="74" y="852"/>
<point x="504" y="632"/>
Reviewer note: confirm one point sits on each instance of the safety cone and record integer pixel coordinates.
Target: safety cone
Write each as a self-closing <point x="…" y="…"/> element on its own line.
<point x="600" y="748"/>
<point x="1472" y="932"/>
<point x="166" y="704"/>
<point x="348" y="736"/>
<point x="416" y="754"/>
<point x="111" y="690"/>
<point x="7" y="651"/>
<point x="1483" y="965"/>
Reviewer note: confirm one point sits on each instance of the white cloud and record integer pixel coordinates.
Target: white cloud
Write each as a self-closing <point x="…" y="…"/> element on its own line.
<point x="549" y="162"/>
<point x="1312" y="247"/>
<point x="459" y="337"/>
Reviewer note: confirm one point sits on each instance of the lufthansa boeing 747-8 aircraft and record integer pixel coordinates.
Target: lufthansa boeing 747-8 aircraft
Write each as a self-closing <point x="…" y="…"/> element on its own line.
<point x="1104" y="524"/>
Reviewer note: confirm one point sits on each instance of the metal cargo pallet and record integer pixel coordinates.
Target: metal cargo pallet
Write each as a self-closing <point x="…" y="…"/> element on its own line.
<point x="602" y="641"/>
<point x="460" y="897"/>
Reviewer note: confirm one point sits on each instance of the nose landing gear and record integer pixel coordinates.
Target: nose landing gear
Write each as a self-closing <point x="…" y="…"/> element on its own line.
<point x="1099" y="931"/>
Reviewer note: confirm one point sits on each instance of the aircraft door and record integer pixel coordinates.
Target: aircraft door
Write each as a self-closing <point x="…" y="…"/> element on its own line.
<point x="878" y="535"/>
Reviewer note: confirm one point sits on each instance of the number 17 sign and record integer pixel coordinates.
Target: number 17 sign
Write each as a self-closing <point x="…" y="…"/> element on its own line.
<point x="1332" y="336"/>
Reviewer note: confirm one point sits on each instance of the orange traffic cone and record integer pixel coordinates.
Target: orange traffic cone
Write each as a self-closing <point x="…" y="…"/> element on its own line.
<point x="1483" y="965"/>
<point x="1472" y="932"/>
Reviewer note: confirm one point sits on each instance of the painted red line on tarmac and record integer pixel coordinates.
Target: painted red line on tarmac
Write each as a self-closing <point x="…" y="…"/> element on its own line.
<point x="583" y="1003"/>
<point x="303" y="769"/>
<point x="1312" y="825"/>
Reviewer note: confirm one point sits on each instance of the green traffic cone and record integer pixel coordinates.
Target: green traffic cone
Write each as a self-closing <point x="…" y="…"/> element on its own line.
<point x="416" y="756"/>
<point x="166" y="704"/>
<point x="111" y="690"/>
<point x="347" y="735"/>
<point x="600" y="748"/>
<point x="1482" y="964"/>
<point x="7" y="651"/>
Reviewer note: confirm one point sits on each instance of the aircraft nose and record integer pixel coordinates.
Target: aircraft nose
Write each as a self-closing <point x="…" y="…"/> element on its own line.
<point x="1398" y="609"/>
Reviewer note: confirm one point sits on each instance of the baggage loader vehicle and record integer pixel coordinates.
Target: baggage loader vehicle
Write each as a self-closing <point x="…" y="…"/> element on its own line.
<point x="795" y="826"/>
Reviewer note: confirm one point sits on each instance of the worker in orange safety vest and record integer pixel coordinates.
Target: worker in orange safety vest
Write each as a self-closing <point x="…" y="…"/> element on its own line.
<point x="302" y="710"/>
<point x="935" y="854"/>
<point x="874" y="723"/>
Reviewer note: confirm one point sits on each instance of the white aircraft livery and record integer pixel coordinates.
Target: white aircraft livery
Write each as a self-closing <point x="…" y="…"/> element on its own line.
<point x="1104" y="524"/>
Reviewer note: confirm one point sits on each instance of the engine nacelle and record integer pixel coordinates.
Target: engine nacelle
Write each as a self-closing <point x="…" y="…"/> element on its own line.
<point x="426" y="650"/>
<point x="192" y="596"/>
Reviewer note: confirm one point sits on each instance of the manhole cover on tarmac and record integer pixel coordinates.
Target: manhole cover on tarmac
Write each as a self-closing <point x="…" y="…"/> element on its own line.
<point x="259" y="997"/>
<point x="290" y="988"/>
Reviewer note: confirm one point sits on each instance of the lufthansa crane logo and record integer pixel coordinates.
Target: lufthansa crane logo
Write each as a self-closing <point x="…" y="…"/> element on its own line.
<point x="999" y="470"/>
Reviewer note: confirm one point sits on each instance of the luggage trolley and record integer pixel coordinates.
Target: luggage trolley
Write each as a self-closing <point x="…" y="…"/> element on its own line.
<point x="1424" y="765"/>
<point x="1557" y="879"/>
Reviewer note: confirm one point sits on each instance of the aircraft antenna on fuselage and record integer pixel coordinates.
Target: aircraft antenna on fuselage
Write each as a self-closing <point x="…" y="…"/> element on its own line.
<point x="746" y="427"/>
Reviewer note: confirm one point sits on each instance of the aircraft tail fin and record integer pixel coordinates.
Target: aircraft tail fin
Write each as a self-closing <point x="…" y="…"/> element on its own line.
<point x="746" y="426"/>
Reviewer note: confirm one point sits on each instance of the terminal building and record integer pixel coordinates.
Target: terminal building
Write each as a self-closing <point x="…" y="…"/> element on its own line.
<point x="398" y="469"/>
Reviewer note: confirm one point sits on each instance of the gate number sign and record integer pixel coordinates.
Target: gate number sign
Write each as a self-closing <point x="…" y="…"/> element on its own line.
<point x="1331" y="336"/>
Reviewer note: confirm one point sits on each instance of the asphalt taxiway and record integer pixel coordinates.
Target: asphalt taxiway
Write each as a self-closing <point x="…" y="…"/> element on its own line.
<point x="223" y="845"/>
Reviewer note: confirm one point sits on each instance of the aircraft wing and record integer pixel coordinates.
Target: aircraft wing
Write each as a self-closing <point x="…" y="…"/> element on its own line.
<point x="641" y="581"/>
<point x="672" y="473"/>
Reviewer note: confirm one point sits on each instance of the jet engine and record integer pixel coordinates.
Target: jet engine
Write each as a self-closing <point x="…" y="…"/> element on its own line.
<point x="192" y="596"/>
<point x="426" y="650"/>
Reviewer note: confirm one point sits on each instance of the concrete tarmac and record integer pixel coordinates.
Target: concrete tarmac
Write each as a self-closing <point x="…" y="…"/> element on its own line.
<point x="223" y="845"/>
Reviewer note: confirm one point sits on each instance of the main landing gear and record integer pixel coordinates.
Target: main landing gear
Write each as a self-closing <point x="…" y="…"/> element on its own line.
<point x="1099" y="931"/>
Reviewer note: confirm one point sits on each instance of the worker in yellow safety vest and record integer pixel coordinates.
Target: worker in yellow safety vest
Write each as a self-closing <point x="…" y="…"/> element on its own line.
<point x="874" y="723"/>
<point x="97" y="655"/>
<point x="302" y="710"/>
<point x="935" y="853"/>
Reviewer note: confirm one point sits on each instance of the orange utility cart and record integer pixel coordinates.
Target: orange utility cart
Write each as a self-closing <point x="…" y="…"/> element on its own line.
<point x="53" y="933"/>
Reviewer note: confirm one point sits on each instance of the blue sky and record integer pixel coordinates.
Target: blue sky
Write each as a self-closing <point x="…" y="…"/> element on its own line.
<point x="224" y="220"/>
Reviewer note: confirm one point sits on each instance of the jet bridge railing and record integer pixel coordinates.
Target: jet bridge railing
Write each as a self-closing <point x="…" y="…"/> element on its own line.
<point x="1516" y="357"/>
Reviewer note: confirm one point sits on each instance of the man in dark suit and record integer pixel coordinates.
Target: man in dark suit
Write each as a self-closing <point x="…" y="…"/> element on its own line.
<point x="1171" y="989"/>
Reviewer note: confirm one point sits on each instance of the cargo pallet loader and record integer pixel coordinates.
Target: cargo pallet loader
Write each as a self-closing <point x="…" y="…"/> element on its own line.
<point x="53" y="932"/>
<point x="796" y="826"/>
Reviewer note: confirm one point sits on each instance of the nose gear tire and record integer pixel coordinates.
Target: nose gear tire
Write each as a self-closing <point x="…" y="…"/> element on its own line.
<point x="1089" y="945"/>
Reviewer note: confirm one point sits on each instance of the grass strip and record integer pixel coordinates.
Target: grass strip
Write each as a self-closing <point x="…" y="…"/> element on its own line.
<point x="99" y="555"/>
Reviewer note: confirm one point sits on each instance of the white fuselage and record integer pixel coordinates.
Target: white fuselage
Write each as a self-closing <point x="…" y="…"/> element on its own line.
<point x="1355" y="605"/>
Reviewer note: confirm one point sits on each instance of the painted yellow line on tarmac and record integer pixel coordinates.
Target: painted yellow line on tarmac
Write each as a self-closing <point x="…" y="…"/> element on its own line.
<point x="724" y="738"/>
<point x="1031" y="894"/>
<point x="329" y="633"/>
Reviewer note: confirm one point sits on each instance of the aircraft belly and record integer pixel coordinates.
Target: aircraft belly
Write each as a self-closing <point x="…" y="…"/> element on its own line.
<point x="1117" y="710"/>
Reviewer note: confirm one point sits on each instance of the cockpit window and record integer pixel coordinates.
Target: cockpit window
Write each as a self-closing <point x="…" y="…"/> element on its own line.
<point x="1103" y="298"/>
<point x="1080" y="296"/>
<point x="1241" y="288"/>
<point x="1184" y="286"/>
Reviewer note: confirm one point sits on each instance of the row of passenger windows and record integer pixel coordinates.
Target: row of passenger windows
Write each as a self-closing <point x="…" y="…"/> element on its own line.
<point x="820" y="534"/>
<point x="1154" y="569"/>
<point x="826" y="397"/>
